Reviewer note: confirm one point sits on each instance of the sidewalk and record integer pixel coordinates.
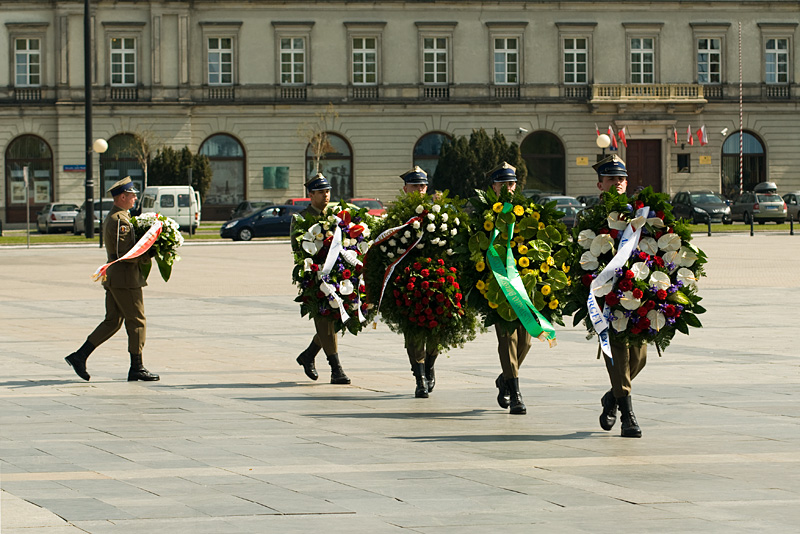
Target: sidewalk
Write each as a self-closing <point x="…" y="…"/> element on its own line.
<point x="235" y="439"/>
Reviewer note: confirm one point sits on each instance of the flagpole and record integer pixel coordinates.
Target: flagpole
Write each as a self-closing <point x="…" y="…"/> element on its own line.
<point x="741" y="121"/>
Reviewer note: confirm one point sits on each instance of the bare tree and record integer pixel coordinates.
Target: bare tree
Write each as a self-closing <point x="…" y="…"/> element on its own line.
<point x="140" y="145"/>
<point x="316" y="134"/>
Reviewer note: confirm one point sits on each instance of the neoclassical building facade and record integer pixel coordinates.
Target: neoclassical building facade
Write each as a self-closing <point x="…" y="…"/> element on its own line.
<point x="248" y="82"/>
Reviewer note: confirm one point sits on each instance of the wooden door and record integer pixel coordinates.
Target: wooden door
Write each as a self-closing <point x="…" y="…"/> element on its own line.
<point x="644" y="164"/>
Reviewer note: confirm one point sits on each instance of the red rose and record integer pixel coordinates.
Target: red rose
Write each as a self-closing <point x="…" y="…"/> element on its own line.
<point x="314" y="267"/>
<point x="439" y="310"/>
<point x="451" y="279"/>
<point x="410" y="286"/>
<point x="429" y="293"/>
<point x="433" y="324"/>
<point x="425" y="301"/>
<point x="398" y="303"/>
<point x="455" y="285"/>
<point x="644" y="323"/>
<point x="397" y="279"/>
<point x="636" y="330"/>
<point x="407" y="270"/>
<point x="412" y="319"/>
<point x="644" y="256"/>
<point x="612" y="299"/>
<point x="428" y="311"/>
<point x="440" y="261"/>
<point x="417" y="266"/>
<point x="637" y="293"/>
<point x="661" y="294"/>
<point x="355" y="231"/>
<point x="671" y="230"/>
<point x="440" y="271"/>
<point x="428" y="260"/>
<point x="439" y="297"/>
<point x="458" y="304"/>
<point x="669" y="310"/>
<point x="625" y="285"/>
<point x="586" y="279"/>
<point x="650" y="304"/>
<point x="448" y="305"/>
<point x="629" y="274"/>
<point x="660" y="214"/>
<point x="326" y="311"/>
<point x="604" y="231"/>
<point x="396" y="294"/>
<point x="458" y="296"/>
<point x="614" y="233"/>
<point x="642" y="311"/>
<point x="344" y="216"/>
<point x="346" y="273"/>
<point x="320" y="295"/>
<point x="425" y="284"/>
<point x="362" y="288"/>
<point x="453" y="269"/>
<point x="425" y="272"/>
<point x="639" y="204"/>
<point x="441" y="280"/>
<point x="659" y="260"/>
<point x="417" y="293"/>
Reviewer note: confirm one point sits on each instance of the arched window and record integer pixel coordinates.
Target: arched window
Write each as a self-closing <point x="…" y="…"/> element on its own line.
<point x="336" y="163"/>
<point x="33" y="152"/>
<point x="754" y="164"/>
<point x="427" y="150"/>
<point x="543" y="153"/>
<point x="119" y="161"/>
<point x="226" y="158"/>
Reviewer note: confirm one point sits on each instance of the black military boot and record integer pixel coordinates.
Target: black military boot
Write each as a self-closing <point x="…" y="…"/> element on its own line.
<point x="630" y="427"/>
<point x="337" y="373"/>
<point x="422" y="382"/>
<point x="78" y="360"/>
<point x="430" y="374"/>
<point x="503" y="398"/>
<point x="517" y="406"/>
<point x="138" y="372"/>
<point x="609" y="415"/>
<point x="306" y="359"/>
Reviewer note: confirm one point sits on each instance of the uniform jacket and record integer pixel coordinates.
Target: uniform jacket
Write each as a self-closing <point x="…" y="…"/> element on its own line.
<point x="119" y="238"/>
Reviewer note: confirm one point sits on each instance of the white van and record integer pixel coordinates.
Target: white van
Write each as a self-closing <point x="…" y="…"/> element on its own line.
<point x="178" y="202"/>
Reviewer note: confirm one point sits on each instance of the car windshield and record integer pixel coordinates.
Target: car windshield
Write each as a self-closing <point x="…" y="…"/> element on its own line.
<point x="369" y="204"/>
<point x="768" y="197"/>
<point x="301" y="203"/>
<point x="65" y="207"/>
<point x="562" y="201"/>
<point x="567" y="210"/>
<point x="706" y="198"/>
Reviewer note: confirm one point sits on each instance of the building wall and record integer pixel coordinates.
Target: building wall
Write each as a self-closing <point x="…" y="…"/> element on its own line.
<point x="174" y="109"/>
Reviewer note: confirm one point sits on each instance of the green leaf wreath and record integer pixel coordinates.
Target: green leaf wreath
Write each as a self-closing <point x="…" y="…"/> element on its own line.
<point x="166" y="245"/>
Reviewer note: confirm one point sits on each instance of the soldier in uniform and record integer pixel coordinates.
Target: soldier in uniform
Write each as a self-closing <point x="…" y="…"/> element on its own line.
<point x="422" y="357"/>
<point x="319" y="191"/>
<point x="123" y="285"/>
<point x="628" y="360"/>
<point x="511" y="346"/>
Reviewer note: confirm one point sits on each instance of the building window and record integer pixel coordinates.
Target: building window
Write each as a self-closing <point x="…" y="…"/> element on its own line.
<point x="123" y="61"/>
<point x="776" y="61"/>
<point x="220" y="61"/>
<point x="709" y="61"/>
<point x="753" y="162"/>
<point x="336" y="163"/>
<point x="434" y="60"/>
<point x="642" y="60"/>
<point x="365" y="61"/>
<point x="427" y="151"/>
<point x="544" y="152"/>
<point x="684" y="163"/>
<point x="28" y="62"/>
<point x="293" y="61"/>
<point x="122" y="159"/>
<point x="34" y="153"/>
<point x="575" y="60"/>
<point x="506" y="61"/>
<point x="226" y="157"/>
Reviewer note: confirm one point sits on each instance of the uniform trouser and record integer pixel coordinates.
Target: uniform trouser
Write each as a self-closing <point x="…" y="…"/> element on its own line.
<point x="418" y="351"/>
<point x="122" y="305"/>
<point x="628" y="362"/>
<point x="512" y="348"/>
<point x="326" y="336"/>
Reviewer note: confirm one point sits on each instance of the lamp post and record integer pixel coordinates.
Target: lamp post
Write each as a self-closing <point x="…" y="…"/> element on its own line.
<point x="87" y="87"/>
<point x="100" y="145"/>
<point x="603" y="141"/>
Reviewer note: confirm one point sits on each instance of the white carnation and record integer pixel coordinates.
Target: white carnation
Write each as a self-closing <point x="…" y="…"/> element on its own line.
<point x="415" y="225"/>
<point x="445" y="216"/>
<point x="443" y="228"/>
<point x="419" y="209"/>
<point x="437" y="208"/>
<point x="431" y="228"/>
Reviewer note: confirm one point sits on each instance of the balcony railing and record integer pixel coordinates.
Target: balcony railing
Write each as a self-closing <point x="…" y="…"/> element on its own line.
<point x="687" y="92"/>
<point x="293" y="93"/>
<point x="221" y="92"/>
<point x="577" y="92"/>
<point x="436" y="92"/>
<point x="506" y="92"/>
<point x="364" y="92"/>
<point x="777" y="92"/>
<point x="125" y="94"/>
<point x="28" y="94"/>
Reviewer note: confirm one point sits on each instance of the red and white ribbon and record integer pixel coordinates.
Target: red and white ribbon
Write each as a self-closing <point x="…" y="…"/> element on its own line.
<point x="387" y="235"/>
<point x="141" y="246"/>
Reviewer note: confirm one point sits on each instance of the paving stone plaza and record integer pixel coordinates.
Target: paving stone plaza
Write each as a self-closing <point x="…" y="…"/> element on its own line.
<point x="235" y="439"/>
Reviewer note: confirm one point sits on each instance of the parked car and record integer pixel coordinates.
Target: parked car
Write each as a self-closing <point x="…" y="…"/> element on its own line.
<point x="299" y="202"/>
<point x="179" y="202"/>
<point x="792" y="204"/>
<point x="56" y="216"/>
<point x="249" y="206"/>
<point x="570" y="218"/>
<point x="268" y="221"/>
<point x="79" y="223"/>
<point x="589" y="200"/>
<point x="761" y="205"/>
<point x="561" y="200"/>
<point x="701" y="207"/>
<point x="374" y="205"/>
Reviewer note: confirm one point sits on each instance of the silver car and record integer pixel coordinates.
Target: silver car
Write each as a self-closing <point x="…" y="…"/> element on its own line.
<point x="759" y="207"/>
<point x="79" y="223"/>
<point x="792" y="204"/>
<point x="56" y="216"/>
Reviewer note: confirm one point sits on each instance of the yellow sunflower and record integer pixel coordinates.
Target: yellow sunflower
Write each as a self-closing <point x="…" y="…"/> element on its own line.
<point x="550" y="261"/>
<point x="523" y="249"/>
<point x="498" y="207"/>
<point x="480" y="285"/>
<point x="546" y="290"/>
<point x="541" y="225"/>
<point x="524" y="261"/>
<point x="544" y="267"/>
<point x="480" y="266"/>
<point x="519" y="211"/>
<point x="535" y="215"/>
<point x="488" y="226"/>
<point x="523" y="272"/>
<point x="553" y="304"/>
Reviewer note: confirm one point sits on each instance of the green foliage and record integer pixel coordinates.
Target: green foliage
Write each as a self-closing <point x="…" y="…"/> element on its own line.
<point x="171" y="167"/>
<point x="464" y="162"/>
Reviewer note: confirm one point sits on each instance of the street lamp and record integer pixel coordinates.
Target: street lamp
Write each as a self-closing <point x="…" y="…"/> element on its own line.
<point x="603" y="141"/>
<point x="87" y="88"/>
<point x="100" y="145"/>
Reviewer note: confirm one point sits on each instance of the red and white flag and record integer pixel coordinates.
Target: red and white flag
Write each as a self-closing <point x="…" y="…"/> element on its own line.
<point x="701" y="135"/>
<point x="675" y="135"/>
<point x="623" y="133"/>
<point x="614" y="145"/>
<point x="597" y="129"/>
<point x="689" y="136"/>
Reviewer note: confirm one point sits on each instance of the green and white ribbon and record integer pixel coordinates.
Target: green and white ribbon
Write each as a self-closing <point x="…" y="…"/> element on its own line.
<point x="510" y="282"/>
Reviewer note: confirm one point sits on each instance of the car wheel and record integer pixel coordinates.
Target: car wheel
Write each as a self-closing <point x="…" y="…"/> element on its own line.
<point x="245" y="234"/>
<point x="762" y="222"/>
<point x="727" y="221"/>
<point x="746" y="218"/>
<point x="75" y="229"/>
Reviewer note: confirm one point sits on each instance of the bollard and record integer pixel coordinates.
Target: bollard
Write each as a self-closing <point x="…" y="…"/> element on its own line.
<point x="1" y="228"/>
<point x="708" y="220"/>
<point x="791" y="226"/>
<point x="751" y="226"/>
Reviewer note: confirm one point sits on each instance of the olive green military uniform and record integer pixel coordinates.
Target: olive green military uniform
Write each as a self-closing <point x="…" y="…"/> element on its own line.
<point x="418" y="352"/>
<point x="326" y="330"/>
<point x="123" y="284"/>
<point x="512" y="348"/>
<point x="628" y="362"/>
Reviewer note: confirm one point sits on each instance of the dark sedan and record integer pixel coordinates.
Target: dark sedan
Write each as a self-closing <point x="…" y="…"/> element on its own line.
<point x="701" y="207"/>
<point x="269" y="221"/>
